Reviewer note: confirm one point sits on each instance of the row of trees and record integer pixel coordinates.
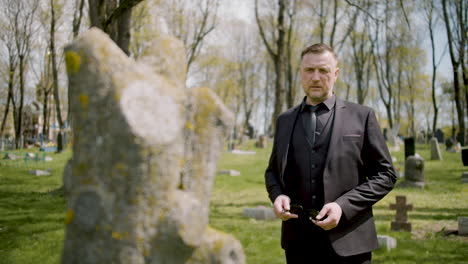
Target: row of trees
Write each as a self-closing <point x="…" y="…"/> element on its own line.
<point x="252" y="62"/>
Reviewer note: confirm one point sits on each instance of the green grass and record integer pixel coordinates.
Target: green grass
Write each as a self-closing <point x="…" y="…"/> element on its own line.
<point x="32" y="213"/>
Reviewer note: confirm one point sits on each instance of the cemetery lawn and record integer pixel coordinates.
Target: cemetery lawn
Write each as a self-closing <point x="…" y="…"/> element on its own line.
<point x="32" y="211"/>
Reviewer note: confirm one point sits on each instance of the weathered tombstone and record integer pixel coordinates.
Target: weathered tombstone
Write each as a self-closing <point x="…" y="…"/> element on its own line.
<point x="449" y="145"/>
<point x="39" y="172"/>
<point x="463" y="226"/>
<point x="435" y="150"/>
<point x="10" y="156"/>
<point x="464" y="178"/>
<point x="409" y="147"/>
<point x="386" y="242"/>
<point x="262" y="142"/>
<point x="146" y="198"/>
<point x="401" y="217"/>
<point x="259" y="213"/>
<point x="2" y="144"/>
<point x="414" y="172"/>
<point x="229" y="172"/>
<point x="439" y="134"/>
<point x="60" y="146"/>
<point x="464" y="153"/>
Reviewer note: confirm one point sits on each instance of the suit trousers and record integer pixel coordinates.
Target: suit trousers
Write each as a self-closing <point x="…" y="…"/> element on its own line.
<point x="314" y="246"/>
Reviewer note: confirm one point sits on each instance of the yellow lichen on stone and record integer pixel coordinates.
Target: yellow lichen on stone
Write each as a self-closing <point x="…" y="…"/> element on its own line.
<point x="69" y="217"/>
<point x="117" y="96"/>
<point x="189" y="125"/>
<point x="120" y="166"/>
<point x="205" y="107"/>
<point x="116" y="235"/>
<point x="218" y="245"/>
<point x="84" y="100"/>
<point x="73" y="61"/>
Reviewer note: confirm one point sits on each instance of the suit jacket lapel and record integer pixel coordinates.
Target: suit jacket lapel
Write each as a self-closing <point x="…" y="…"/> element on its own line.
<point x="286" y="138"/>
<point x="336" y="136"/>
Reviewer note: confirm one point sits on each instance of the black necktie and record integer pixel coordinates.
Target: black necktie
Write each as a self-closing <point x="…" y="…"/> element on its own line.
<point x="313" y="123"/>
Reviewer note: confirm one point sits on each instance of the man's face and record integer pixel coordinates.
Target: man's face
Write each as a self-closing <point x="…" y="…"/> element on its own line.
<point x="318" y="75"/>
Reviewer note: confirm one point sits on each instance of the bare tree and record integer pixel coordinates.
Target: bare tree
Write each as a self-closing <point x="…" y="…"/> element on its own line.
<point x="275" y="47"/>
<point x="456" y="24"/>
<point x="432" y="21"/>
<point x="77" y="17"/>
<point x="8" y="40"/>
<point x="191" y="22"/>
<point x="361" y="53"/>
<point x="113" y="17"/>
<point x="20" y="17"/>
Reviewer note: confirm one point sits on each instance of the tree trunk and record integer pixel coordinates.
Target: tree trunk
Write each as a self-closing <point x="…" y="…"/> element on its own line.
<point x="58" y="110"/>
<point x="19" y="128"/>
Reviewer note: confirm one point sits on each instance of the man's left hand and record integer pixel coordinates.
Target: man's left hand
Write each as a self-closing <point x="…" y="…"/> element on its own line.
<point x="331" y="214"/>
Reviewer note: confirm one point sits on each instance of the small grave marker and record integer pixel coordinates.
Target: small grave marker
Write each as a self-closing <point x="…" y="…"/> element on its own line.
<point x="401" y="218"/>
<point x="463" y="226"/>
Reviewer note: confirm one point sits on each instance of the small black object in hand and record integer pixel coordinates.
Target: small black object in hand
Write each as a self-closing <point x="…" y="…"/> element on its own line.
<point x="301" y="212"/>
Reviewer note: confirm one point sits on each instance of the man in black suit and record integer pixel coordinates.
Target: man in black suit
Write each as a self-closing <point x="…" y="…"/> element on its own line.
<point x="328" y="155"/>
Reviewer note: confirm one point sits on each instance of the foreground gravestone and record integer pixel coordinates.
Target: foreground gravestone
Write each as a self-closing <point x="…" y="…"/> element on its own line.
<point x="401" y="217"/>
<point x="463" y="226"/>
<point x="435" y="150"/>
<point x="144" y="158"/>
<point x="414" y="172"/>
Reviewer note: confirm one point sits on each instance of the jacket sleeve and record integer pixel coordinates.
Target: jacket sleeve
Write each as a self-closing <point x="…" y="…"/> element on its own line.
<point x="378" y="169"/>
<point x="272" y="173"/>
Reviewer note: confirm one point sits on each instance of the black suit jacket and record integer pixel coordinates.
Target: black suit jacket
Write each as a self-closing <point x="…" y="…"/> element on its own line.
<point x="358" y="172"/>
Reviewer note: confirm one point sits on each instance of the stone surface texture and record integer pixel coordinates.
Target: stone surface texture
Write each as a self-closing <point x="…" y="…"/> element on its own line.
<point x="144" y="158"/>
<point x="435" y="150"/>
<point x="414" y="172"/>
<point x="387" y="242"/>
<point x="463" y="226"/>
<point x="401" y="217"/>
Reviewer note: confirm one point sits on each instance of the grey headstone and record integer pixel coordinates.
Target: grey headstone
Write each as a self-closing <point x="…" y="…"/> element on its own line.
<point x="387" y="242"/>
<point x="440" y="136"/>
<point x="31" y="155"/>
<point x="463" y="226"/>
<point x="39" y="172"/>
<point x="229" y="172"/>
<point x="259" y="213"/>
<point x="435" y="150"/>
<point x="243" y="152"/>
<point x="464" y="177"/>
<point x="10" y="156"/>
<point x="47" y="159"/>
<point x="2" y="144"/>
<point x="414" y="172"/>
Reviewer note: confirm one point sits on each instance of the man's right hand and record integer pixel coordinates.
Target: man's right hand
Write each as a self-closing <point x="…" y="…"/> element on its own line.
<point x="281" y="208"/>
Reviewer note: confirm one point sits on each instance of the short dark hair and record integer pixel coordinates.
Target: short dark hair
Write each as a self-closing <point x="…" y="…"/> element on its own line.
<point x="318" y="48"/>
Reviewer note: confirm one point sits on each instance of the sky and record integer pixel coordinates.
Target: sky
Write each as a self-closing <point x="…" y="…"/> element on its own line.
<point x="243" y="9"/>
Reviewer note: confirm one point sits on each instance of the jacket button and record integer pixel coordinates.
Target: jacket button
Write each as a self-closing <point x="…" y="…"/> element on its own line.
<point x="313" y="166"/>
<point x="313" y="197"/>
